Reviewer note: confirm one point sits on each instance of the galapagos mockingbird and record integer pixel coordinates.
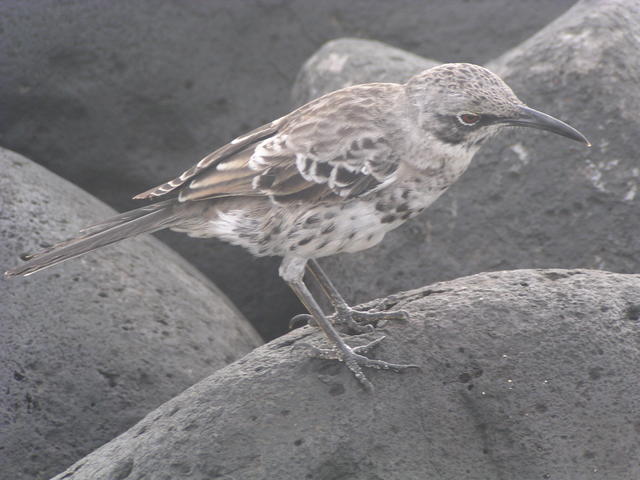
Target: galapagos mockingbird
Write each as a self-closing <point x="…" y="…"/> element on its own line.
<point x="333" y="176"/>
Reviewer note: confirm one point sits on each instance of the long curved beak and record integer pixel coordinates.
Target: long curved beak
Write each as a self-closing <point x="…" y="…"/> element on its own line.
<point x="528" y="117"/>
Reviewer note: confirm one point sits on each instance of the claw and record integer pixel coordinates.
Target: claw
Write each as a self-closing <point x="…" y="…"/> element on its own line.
<point x="301" y="319"/>
<point x="359" y="322"/>
<point x="354" y="360"/>
<point x="355" y="321"/>
<point x="365" y="348"/>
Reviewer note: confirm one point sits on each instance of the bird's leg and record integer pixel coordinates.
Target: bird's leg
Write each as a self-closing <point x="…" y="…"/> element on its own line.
<point x="355" y="320"/>
<point x="352" y="357"/>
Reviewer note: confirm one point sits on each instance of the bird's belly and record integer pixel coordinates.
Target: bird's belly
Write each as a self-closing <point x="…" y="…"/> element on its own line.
<point x="354" y="228"/>
<point x="313" y="231"/>
<point x="357" y="225"/>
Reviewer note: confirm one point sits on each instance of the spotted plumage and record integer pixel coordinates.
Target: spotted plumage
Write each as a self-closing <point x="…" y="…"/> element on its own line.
<point x="333" y="176"/>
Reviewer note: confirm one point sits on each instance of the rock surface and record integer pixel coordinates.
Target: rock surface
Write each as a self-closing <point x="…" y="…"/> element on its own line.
<point x="89" y="347"/>
<point x="526" y="374"/>
<point x="532" y="199"/>
<point x="120" y="96"/>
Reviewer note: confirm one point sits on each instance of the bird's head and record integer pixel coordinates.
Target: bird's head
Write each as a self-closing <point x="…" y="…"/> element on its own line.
<point x="462" y="104"/>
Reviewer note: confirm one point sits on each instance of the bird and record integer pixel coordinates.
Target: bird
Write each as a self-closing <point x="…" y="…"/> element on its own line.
<point x="334" y="175"/>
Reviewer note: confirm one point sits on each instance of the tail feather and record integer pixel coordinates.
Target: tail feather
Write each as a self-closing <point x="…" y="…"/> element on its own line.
<point x="148" y="219"/>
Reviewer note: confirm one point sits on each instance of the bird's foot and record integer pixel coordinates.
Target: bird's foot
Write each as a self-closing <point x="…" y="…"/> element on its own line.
<point x="354" y="359"/>
<point x="358" y="321"/>
<point x="353" y="321"/>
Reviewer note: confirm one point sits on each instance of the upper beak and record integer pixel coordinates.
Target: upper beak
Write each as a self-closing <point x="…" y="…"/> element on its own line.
<point x="528" y="117"/>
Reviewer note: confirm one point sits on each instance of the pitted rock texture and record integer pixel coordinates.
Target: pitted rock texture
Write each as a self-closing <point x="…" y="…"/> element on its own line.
<point x="120" y="96"/>
<point x="89" y="348"/>
<point x="526" y="374"/>
<point x="530" y="198"/>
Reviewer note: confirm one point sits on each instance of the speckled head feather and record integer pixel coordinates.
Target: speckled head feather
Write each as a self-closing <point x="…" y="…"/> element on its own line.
<point x="463" y="85"/>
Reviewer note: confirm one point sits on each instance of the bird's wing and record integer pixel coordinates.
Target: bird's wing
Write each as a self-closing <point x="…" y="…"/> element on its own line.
<point x="230" y="150"/>
<point x="333" y="146"/>
<point x="352" y="166"/>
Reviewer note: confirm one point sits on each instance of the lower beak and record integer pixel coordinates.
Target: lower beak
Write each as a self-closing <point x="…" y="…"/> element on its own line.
<point x="528" y="117"/>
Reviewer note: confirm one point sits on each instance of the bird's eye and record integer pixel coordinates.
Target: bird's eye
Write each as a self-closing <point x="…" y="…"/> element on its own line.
<point x="468" y="118"/>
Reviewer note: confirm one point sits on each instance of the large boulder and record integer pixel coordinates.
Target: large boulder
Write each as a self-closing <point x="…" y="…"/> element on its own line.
<point x="525" y="374"/>
<point x="119" y="96"/>
<point x="532" y="199"/>
<point x="87" y="348"/>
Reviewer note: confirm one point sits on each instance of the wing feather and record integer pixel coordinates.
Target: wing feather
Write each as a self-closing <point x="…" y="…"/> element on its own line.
<point x="233" y="147"/>
<point x="306" y="156"/>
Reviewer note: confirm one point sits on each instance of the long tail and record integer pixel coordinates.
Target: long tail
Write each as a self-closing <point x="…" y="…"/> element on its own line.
<point x="150" y="218"/>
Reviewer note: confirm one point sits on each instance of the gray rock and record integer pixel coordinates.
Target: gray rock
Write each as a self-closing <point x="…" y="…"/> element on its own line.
<point x="119" y="96"/>
<point x="526" y="374"/>
<point x="532" y="199"/>
<point x="351" y="61"/>
<point x="89" y="347"/>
